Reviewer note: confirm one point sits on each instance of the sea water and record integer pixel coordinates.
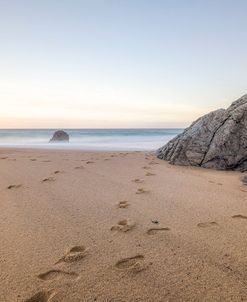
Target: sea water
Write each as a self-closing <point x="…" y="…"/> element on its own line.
<point x="90" y="139"/>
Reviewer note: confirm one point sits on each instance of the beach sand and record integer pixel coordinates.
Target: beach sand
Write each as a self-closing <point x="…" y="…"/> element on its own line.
<point x="119" y="226"/>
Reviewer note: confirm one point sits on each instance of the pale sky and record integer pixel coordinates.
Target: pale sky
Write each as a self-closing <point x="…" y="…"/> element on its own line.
<point x="119" y="63"/>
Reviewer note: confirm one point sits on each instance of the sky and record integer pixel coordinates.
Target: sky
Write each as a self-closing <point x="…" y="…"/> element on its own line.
<point x="119" y="63"/>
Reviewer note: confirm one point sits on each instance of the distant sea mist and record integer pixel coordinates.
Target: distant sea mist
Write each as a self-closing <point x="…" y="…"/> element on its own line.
<point x="90" y="139"/>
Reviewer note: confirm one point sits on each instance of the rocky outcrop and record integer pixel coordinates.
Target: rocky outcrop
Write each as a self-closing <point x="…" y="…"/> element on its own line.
<point x="217" y="140"/>
<point x="60" y="136"/>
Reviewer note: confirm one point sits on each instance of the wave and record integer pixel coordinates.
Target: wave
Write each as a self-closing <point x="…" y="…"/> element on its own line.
<point x="90" y="139"/>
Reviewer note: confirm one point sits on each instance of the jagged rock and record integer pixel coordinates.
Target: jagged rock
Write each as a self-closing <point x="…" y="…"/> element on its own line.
<point x="60" y="136"/>
<point x="216" y="140"/>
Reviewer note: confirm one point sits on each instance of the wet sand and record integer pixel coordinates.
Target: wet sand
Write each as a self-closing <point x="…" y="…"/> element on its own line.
<point x="118" y="226"/>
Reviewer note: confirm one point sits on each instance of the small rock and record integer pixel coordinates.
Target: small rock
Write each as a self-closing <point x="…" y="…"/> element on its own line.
<point x="244" y="180"/>
<point x="60" y="136"/>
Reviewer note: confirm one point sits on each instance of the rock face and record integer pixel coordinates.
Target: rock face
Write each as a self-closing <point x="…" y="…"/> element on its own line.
<point x="60" y="136"/>
<point x="217" y="140"/>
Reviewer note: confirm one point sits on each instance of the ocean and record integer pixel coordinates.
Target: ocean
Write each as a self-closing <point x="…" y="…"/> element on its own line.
<point x="90" y="139"/>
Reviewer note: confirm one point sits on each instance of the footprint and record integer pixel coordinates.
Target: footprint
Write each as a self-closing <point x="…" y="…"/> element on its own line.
<point x="132" y="263"/>
<point x="123" y="226"/>
<point x="207" y="224"/>
<point x="79" y="167"/>
<point x="141" y="191"/>
<point x="57" y="172"/>
<point x="146" y="167"/>
<point x="74" y="254"/>
<point x="150" y="174"/>
<point x="4" y="157"/>
<point x="41" y="296"/>
<point x="123" y="204"/>
<point x="153" y="163"/>
<point x="154" y="231"/>
<point x="240" y="216"/>
<point x="89" y="162"/>
<point x="48" y="179"/>
<point x="155" y="221"/>
<point x="13" y="187"/>
<point x="138" y="180"/>
<point x="55" y="274"/>
<point x="213" y="182"/>
<point x="33" y="159"/>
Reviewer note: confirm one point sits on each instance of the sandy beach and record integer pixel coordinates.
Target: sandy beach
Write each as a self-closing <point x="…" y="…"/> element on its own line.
<point x="117" y="226"/>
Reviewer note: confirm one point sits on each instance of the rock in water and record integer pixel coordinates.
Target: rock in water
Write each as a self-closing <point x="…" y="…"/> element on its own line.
<point x="216" y="140"/>
<point x="60" y="136"/>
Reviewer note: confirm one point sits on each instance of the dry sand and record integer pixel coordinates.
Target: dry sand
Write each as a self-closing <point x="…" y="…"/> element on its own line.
<point x="80" y="226"/>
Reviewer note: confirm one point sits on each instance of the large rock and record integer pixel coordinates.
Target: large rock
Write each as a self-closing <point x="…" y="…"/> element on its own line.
<point x="60" y="136"/>
<point x="216" y="140"/>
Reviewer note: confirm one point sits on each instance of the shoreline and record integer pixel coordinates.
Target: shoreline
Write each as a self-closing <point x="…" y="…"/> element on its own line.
<point x="118" y="226"/>
<point x="73" y="148"/>
<point x="14" y="148"/>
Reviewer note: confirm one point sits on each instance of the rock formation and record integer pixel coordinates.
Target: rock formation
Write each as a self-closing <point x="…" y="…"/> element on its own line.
<point x="60" y="136"/>
<point x="216" y="140"/>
